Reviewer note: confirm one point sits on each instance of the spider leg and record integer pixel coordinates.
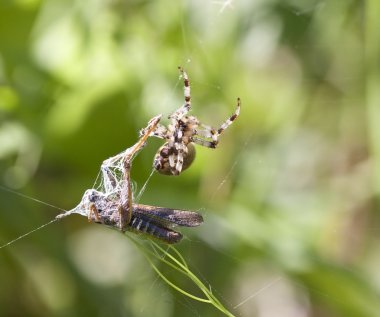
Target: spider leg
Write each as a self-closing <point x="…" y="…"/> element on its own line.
<point x="205" y="143"/>
<point x="172" y="155"/>
<point x="186" y="89"/>
<point x="181" y="151"/>
<point x="229" y="121"/>
<point x="125" y="207"/>
<point x="179" y="113"/>
<point x="176" y="157"/>
<point x="160" y="132"/>
<point x="133" y="150"/>
<point x="208" y="132"/>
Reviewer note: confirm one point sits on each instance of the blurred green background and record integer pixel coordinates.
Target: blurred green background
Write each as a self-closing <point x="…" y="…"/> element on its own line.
<point x="290" y="198"/>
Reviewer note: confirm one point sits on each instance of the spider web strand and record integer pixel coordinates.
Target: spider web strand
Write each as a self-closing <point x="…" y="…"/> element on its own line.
<point x="31" y="198"/>
<point x="28" y="233"/>
<point x="259" y="291"/>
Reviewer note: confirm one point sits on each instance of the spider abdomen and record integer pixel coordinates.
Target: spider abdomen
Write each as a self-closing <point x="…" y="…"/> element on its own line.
<point x="184" y="130"/>
<point x="162" y="162"/>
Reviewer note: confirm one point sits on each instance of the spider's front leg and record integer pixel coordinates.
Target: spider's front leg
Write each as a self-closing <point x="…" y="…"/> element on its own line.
<point x="213" y="134"/>
<point x="230" y="120"/>
<point x="181" y="112"/>
<point x="160" y="132"/>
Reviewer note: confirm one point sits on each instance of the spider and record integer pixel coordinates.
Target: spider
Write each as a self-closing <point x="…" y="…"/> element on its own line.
<point x="115" y="207"/>
<point x="178" y="152"/>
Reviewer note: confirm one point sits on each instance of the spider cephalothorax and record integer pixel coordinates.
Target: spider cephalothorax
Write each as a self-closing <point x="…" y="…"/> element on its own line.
<point x="178" y="152"/>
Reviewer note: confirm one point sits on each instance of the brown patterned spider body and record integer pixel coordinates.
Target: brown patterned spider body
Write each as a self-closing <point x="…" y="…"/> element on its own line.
<point x="184" y="130"/>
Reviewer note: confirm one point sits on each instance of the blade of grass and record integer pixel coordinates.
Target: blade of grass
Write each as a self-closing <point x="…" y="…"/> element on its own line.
<point x="372" y="92"/>
<point x="178" y="263"/>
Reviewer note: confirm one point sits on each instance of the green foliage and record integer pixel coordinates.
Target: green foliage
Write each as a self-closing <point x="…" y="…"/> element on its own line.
<point x="290" y="197"/>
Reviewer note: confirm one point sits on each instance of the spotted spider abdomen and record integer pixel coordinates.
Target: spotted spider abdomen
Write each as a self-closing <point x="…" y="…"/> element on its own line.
<point x="161" y="161"/>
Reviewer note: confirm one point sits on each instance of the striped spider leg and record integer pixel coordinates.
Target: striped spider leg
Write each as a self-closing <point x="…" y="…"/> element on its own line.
<point x="178" y="152"/>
